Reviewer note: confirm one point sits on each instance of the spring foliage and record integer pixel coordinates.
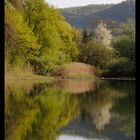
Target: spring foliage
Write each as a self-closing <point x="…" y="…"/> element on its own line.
<point x="114" y="55"/>
<point x="103" y="34"/>
<point x="37" y="34"/>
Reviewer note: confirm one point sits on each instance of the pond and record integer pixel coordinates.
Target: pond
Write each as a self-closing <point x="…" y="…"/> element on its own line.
<point x="70" y="110"/>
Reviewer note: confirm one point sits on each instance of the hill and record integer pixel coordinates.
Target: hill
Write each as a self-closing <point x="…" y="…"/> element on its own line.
<point x="86" y="16"/>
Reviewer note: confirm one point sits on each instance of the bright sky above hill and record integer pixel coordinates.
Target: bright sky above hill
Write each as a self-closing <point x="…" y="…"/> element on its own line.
<point x="73" y="3"/>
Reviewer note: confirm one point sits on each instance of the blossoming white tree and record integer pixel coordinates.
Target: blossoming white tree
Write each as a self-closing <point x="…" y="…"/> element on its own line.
<point x="103" y="34"/>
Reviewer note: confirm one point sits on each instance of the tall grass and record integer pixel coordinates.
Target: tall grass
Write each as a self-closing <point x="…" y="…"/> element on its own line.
<point x="25" y="72"/>
<point x="79" y="70"/>
<point x="18" y="71"/>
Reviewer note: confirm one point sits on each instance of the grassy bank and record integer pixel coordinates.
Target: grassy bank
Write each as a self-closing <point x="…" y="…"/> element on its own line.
<point x="24" y="74"/>
<point x="76" y="70"/>
<point x="73" y="70"/>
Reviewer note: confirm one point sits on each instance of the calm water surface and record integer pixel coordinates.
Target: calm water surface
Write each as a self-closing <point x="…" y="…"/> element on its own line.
<point x="70" y="110"/>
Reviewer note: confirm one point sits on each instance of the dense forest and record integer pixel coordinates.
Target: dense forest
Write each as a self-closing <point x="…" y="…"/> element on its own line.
<point x="87" y="16"/>
<point x="37" y="34"/>
<point x="39" y="40"/>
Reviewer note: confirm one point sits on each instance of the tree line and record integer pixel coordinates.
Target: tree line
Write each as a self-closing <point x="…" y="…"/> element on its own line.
<point x="38" y="36"/>
<point x="113" y="55"/>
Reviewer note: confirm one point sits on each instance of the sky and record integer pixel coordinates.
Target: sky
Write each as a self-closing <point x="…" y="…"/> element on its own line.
<point x="73" y="3"/>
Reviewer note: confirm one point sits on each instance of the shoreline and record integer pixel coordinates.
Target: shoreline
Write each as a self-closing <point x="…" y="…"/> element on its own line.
<point x="36" y="77"/>
<point x="115" y="78"/>
<point x="32" y="77"/>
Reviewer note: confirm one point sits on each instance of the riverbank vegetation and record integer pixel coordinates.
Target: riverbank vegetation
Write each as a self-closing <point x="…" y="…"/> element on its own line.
<point x="38" y="41"/>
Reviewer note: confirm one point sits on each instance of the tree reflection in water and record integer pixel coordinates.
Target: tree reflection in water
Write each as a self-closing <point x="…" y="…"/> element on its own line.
<point x="39" y="110"/>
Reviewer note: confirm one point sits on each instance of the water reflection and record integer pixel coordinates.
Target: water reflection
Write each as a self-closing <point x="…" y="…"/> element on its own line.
<point x="77" y="86"/>
<point x="40" y="111"/>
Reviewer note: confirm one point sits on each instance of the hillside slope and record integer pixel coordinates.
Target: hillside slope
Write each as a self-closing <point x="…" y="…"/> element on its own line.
<point x="84" y="17"/>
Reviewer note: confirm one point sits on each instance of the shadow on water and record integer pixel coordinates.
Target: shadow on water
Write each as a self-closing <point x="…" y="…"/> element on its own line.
<point x="70" y="108"/>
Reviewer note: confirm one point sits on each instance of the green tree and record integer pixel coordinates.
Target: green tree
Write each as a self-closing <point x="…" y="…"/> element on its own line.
<point x="95" y="53"/>
<point x="20" y="43"/>
<point x="53" y="33"/>
<point x="125" y="51"/>
<point x="37" y="34"/>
